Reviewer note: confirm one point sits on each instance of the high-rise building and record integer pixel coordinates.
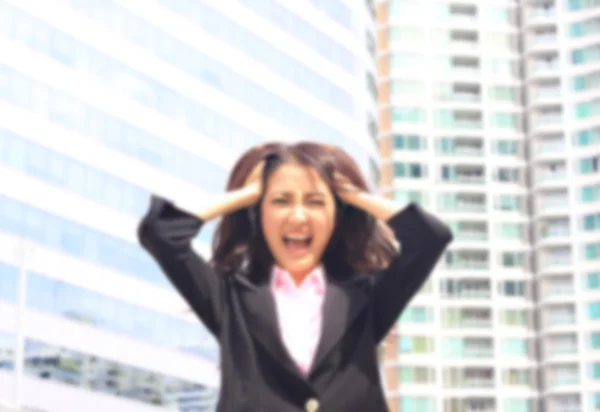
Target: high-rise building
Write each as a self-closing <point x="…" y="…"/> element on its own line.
<point x="103" y="102"/>
<point x="490" y="117"/>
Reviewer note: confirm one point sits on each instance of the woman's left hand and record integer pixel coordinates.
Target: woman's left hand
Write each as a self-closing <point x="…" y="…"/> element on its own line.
<point x="345" y="189"/>
<point x="378" y="206"/>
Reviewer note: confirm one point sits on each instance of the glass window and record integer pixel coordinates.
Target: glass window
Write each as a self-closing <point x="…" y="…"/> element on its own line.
<point x="587" y="137"/>
<point x="505" y="94"/>
<point x="252" y="44"/>
<point x="594" y="310"/>
<point x="96" y="374"/>
<point x="593" y="280"/>
<point x="9" y="276"/>
<point x="454" y="347"/>
<point x="592" y="251"/>
<point x="417" y="314"/>
<point x="407" y="61"/>
<point x="513" y="259"/>
<point x="67" y="49"/>
<point x="510" y="231"/>
<point x="515" y="347"/>
<point x="517" y="405"/>
<point x="497" y="15"/>
<point x="407" y="35"/>
<point x="406" y="9"/>
<point x="7" y="342"/>
<point x="582" y="4"/>
<point x="404" y="197"/>
<point x="507" y="147"/>
<point x="409" y="142"/>
<point x="408" y="115"/>
<point x="406" y="88"/>
<point x="595" y="340"/>
<point x="499" y="41"/>
<point x="77" y="240"/>
<point x="409" y="170"/>
<point x="505" y="120"/>
<point x="586" y="54"/>
<point x="416" y="404"/>
<point x="148" y="148"/>
<point x="78" y="304"/>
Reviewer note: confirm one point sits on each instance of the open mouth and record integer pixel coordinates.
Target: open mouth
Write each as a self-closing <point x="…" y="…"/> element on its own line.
<point x="297" y="244"/>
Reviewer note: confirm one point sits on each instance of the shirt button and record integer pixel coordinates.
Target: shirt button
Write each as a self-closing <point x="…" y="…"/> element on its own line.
<point x="312" y="405"/>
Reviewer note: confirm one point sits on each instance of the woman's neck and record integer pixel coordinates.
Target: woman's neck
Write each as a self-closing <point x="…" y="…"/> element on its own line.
<point x="299" y="276"/>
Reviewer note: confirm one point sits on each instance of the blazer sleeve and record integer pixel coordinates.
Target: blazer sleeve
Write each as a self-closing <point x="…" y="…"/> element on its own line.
<point x="166" y="232"/>
<point x="423" y="238"/>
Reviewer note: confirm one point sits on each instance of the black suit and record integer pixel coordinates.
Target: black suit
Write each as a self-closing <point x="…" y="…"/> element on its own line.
<point x="258" y="375"/>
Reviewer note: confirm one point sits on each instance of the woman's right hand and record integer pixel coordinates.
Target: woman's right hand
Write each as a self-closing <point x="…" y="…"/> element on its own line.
<point x="246" y="196"/>
<point x="253" y="185"/>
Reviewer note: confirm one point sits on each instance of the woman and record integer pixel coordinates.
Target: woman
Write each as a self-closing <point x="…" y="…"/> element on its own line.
<point x="305" y="279"/>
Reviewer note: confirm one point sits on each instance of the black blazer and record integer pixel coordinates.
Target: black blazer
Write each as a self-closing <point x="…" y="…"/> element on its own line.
<point x="258" y="375"/>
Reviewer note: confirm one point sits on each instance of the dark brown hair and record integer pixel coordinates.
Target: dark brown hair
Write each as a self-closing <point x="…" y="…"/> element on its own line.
<point x="358" y="243"/>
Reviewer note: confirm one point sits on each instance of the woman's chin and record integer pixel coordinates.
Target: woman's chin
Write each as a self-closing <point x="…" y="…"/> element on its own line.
<point x="300" y="267"/>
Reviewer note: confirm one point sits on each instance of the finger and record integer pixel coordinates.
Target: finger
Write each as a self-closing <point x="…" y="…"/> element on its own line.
<point x="256" y="171"/>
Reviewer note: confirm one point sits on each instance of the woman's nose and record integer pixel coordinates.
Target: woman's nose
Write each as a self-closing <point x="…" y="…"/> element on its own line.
<point x="299" y="213"/>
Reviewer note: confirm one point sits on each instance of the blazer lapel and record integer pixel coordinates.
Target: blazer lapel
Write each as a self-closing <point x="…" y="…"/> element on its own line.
<point x="259" y="304"/>
<point x="343" y="302"/>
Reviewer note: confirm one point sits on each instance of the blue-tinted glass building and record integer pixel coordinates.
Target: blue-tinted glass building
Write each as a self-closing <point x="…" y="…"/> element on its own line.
<point x="103" y="102"/>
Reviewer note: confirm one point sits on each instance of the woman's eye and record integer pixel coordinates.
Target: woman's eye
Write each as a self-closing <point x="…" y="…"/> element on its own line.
<point x="316" y="202"/>
<point x="279" y="201"/>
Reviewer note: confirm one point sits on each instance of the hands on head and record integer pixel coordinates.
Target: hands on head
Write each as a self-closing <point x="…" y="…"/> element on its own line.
<point x="250" y="189"/>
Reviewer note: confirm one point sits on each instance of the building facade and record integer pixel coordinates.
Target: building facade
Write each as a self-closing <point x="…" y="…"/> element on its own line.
<point x="103" y="103"/>
<point x="490" y="116"/>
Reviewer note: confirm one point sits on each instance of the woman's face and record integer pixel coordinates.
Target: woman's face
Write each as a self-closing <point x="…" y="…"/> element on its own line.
<point x="298" y="217"/>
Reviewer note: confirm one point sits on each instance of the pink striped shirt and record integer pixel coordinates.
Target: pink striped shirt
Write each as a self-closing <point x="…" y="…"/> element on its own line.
<point x="299" y="312"/>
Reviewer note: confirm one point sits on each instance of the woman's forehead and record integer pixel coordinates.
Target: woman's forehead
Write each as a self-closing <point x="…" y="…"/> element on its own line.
<point x="296" y="176"/>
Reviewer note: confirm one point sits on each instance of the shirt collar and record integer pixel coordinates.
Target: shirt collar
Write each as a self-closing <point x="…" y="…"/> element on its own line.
<point x="281" y="280"/>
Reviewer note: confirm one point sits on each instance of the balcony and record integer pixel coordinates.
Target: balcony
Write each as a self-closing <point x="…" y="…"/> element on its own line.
<point x="553" y="261"/>
<point x="461" y="146"/>
<point x="469" y="405"/>
<point x="467" y="318"/>
<point x="457" y="97"/>
<point x="548" y="12"/>
<point x="469" y="124"/>
<point x="561" y="349"/>
<point x="543" y="121"/>
<point x="463" y="175"/>
<point x="564" y="403"/>
<point x="466" y="40"/>
<point x="471" y="235"/>
<point x="555" y="230"/>
<point x="464" y="205"/>
<point x="543" y="67"/>
<point x="551" y="147"/>
<point x="465" y="288"/>
<point x="548" y="92"/>
<point x="556" y="287"/>
<point x="553" y="202"/>
<point x="547" y="175"/>
<point x="469" y="264"/>
<point x="461" y="14"/>
<point x="562" y="378"/>
<point x="479" y="353"/>
<point x="463" y="70"/>
<point x="469" y="378"/>
<point x="560" y="316"/>
<point x="479" y="348"/>
<point x="545" y="39"/>
<point x="470" y="206"/>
